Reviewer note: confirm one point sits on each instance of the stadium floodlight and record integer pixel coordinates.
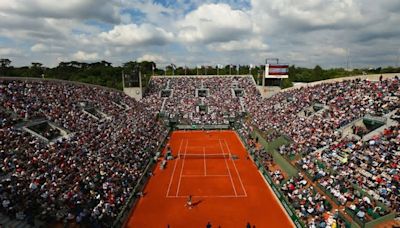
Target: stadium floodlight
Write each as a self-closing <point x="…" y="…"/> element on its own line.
<point x="173" y="66"/>
<point x="219" y="66"/>
<point x="250" y="67"/>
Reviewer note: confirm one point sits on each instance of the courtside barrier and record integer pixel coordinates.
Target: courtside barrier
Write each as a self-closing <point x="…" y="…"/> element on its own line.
<point x="278" y="158"/>
<point x="202" y="127"/>
<point x="375" y="219"/>
<point x="133" y="198"/>
<point x="289" y="209"/>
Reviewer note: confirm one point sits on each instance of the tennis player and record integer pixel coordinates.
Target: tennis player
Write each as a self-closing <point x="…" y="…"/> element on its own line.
<point x="208" y="133"/>
<point x="189" y="203"/>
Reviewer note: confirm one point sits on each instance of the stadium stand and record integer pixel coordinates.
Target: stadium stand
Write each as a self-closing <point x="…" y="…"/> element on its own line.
<point x="203" y="100"/>
<point x="73" y="152"/>
<point x="86" y="177"/>
<point x="358" y="173"/>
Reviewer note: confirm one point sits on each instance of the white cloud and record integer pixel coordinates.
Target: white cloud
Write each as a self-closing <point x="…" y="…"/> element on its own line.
<point x="132" y="34"/>
<point x="307" y="14"/>
<point x="214" y="23"/>
<point x="336" y="51"/>
<point x="84" y="56"/>
<point x="242" y="45"/>
<point x="104" y="10"/>
<point x="39" y="48"/>
<point x="152" y="57"/>
<point x="7" y="51"/>
<point x="195" y="32"/>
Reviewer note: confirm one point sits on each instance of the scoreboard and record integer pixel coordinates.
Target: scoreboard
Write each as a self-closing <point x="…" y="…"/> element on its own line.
<point x="276" y="71"/>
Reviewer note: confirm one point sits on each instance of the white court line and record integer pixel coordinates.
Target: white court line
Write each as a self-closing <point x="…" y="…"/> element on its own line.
<point x="229" y="172"/>
<point x="202" y="140"/>
<point x="240" y="140"/>
<point x="195" y="147"/>
<point x="173" y="171"/>
<point x="237" y="172"/>
<point x="226" y="196"/>
<point x="183" y="164"/>
<point x="194" y="175"/>
<point x="205" y="166"/>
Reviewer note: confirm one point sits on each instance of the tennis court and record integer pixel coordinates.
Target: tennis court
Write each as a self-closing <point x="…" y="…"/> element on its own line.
<point x="227" y="189"/>
<point x="205" y="168"/>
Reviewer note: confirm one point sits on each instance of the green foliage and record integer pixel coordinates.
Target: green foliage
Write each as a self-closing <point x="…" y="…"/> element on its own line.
<point x="104" y="74"/>
<point x="286" y="83"/>
<point x="300" y="74"/>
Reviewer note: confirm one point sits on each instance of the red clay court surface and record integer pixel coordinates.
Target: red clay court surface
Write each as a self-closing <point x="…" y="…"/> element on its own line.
<point x="226" y="192"/>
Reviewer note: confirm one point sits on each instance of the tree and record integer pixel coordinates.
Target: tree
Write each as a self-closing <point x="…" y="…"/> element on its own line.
<point x="36" y="70"/>
<point x="4" y="67"/>
<point x="317" y="73"/>
<point x="286" y="83"/>
<point x="36" y="65"/>
<point x="4" y="63"/>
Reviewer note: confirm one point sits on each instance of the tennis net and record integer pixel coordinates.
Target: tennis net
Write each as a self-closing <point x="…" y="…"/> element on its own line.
<point x="204" y="156"/>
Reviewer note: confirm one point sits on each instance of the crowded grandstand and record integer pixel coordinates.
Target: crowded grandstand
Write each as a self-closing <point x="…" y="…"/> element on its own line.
<point x="73" y="153"/>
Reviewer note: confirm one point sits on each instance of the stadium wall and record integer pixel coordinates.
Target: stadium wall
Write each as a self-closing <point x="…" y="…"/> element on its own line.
<point x="268" y="91"/>
<point x="371" y="77"/>
<point x="134" y="92"/>
<point x="202" y="127"/>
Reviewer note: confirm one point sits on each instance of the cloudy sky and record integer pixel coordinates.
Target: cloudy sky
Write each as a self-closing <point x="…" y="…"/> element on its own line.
<point x="198" y="32"/>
